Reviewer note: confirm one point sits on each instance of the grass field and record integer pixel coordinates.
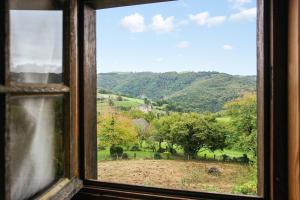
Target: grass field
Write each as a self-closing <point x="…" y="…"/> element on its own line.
<point x="175" y="174"/>
<point x="105" y="155"/>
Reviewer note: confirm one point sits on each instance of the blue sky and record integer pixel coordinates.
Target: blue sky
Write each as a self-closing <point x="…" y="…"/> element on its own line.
<point x="185" y="35"/>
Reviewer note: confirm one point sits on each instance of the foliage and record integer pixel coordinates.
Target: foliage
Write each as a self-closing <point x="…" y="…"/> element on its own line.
<point x="125" y="156"/>
<point x="191" y="131"/>
<point x="157" y="156"/>
<point x="116" y="129"/>
<point x="116" y="151"/>
<point x="119" y="98"/>
<point x="246" y="188"/>
<point x="188" y="92"/>
<point x="135" y="148"/>
<point x="243" y="124"/>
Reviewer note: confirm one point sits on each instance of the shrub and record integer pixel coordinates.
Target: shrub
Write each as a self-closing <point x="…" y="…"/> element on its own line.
<point x="225" y="158"/>
<point x="167" y="155"/>
<point x="172" y="151"/>
<point x="161" y="150"/>
<point x="135" y="148"/>
<point x="157" y="156"/>
<point x="246" y="188"/>
<point x="125" y="156"/>
<point x="116" y="151"/>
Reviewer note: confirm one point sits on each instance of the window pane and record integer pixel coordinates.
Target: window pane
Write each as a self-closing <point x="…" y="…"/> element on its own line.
<point x="36" y="46"/>
<point x="36" y="144"/>
<point x="176" y="97"/>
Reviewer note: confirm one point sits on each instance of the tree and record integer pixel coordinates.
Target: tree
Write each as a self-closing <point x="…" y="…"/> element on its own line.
<point x="194" y="132"/>
<point x="119" y="98"/>
<point x="116" y="129"/>
<point x="244" y="119"/>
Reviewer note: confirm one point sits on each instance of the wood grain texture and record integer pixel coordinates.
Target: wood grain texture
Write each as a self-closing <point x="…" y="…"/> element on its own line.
<point x="34" y="89"/>
<point x="294" y="101"/>
<point x="74" y="88"/>
<point x="263" y="99"/>
<point x="97" y="189"/>
<point x="62" y="190"/>
<point x="101" y="4"/>
<point x="88" y="90"/>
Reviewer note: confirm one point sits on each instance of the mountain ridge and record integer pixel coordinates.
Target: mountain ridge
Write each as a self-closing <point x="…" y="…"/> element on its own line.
<point x="189" y="91"/>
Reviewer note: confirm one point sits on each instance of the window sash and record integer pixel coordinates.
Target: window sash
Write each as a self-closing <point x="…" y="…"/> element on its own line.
<point x="87" y="17"/>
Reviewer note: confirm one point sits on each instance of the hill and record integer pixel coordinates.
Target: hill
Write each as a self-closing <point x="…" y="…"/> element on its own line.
<point x="189" y="91"/>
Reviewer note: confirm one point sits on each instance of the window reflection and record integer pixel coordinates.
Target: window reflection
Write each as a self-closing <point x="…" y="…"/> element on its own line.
<point x="35" y="145"/>
<point x="36" y="46"/>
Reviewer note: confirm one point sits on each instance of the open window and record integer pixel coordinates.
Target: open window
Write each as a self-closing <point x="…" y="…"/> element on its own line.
<point x="129" y="98"/>
<point x="48" y="100"/>
<point x="36" y="91"/>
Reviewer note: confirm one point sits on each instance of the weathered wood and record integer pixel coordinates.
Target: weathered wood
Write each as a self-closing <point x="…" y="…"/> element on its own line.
<point x="36" y="5"/>
<point x="101" y="4"/>
<point x="88" y="92"/>
<point x="100" y="189"/>
<point x="74" y="103"/>
<point x="34" y="89"/>
<point x="263" y="98"/>
<point x="63" y="189"/>
<point x="294" y="100"/>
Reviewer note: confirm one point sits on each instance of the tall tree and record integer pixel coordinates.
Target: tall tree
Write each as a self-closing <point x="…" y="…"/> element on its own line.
<point x="244" y="122"/>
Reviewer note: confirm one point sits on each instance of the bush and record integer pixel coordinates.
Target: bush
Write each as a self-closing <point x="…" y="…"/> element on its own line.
<point x="225" y="158"/>
<point x="157" y="156"/>
<point x="125" y="156"/>
<point x="135" y="148"/>
<point x="116" y="151"/>
<point x="161" y="150"/>
<point x="167" y="155"/>
<point x="246" y="188"/>
<point x="172" y="151"/>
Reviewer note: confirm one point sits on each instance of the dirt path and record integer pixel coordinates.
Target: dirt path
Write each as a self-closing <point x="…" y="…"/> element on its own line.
<point x="187" y="175"/>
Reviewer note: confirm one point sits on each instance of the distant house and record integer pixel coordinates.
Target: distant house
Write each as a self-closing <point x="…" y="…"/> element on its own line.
<point x="145" y="108"/>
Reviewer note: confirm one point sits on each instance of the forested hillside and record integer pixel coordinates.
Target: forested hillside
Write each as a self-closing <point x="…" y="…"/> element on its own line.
<point x="189" y="91"/>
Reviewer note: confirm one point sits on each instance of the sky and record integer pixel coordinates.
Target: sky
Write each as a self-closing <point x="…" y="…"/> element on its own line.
<point x="183" y="35"/>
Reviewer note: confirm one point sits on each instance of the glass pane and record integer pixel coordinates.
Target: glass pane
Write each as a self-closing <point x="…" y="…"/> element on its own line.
<point x="36" y="46"/>
<point x="36" y="144"/>
<point x="176" y="97"/>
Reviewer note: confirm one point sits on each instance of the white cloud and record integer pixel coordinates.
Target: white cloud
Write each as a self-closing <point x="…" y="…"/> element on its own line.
<point x="216" y="21"/>
<point x="244" y="15"/>
<point x="183" y="45"/>
<point x="227" y="47"/>
<point x="203" y="19"/>
<point x="134" y="23"/>
<point x="161" y="25"/>
<point x="200" y="18"/>
<point x="238" y="4"/>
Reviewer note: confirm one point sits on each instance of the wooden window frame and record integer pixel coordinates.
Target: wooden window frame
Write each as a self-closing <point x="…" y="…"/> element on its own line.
<point x="68" y="185"/>
<point x="272" y="105"/>
<point x="80" y="64"/>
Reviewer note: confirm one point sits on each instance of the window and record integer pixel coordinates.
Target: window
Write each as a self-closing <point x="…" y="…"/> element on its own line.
<point x="169" y="114"/>
<point x="35" y="89"/>
<point x="66" y="88"/>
